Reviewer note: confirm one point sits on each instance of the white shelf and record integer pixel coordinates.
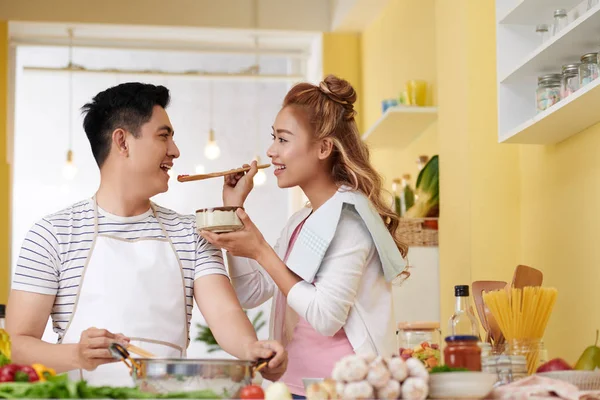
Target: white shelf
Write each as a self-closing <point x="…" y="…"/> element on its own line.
<point x="399" y="126"/>
<point x="533" y="12"/>
<point x="579" y="37"/>
<point x="564" y="119"/>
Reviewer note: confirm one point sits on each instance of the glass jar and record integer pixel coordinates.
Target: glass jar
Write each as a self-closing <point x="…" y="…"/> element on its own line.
<point x="463" y="352"/>
<point x="543" y="32"/>
<point x="420" y="340"/>
<point x="560" y="21"/>
<point x="548" y="91"/>
<point x="588" y="69"/>
<point x="592" y="4"/>
<point x="569" y="83"/>
<point x="508" y="368"/>
<point x="533" y="350"/>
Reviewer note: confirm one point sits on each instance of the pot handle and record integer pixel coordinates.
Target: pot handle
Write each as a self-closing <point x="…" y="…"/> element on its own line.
<point x="120" y="353"/>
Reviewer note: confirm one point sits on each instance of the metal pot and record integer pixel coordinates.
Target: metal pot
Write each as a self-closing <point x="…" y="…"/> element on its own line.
<point x="170" y="375"/>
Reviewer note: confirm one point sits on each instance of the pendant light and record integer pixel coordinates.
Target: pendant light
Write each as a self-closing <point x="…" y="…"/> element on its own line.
<point x="211" y="150"/>
<point x="260" y="178"/>
<point x="69" y="169"/>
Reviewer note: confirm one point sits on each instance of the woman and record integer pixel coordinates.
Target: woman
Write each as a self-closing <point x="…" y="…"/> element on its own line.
<point x="330" y="271"/>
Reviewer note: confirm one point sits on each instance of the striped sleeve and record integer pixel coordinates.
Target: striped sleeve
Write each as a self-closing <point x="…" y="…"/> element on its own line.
<point x="209" y="259"/>
<point x="37" y="268"/>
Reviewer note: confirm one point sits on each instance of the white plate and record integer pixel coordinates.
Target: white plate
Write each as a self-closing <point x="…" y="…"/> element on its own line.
<point x="464" y="385"/>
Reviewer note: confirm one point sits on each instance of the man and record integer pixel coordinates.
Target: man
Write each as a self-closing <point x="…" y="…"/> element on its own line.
<point x="117" y="267"/>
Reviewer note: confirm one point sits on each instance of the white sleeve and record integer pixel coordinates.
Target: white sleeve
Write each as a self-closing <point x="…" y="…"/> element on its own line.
<point x="327" y="303"/>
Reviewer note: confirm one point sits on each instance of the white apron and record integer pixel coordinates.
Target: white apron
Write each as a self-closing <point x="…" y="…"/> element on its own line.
<point x="135" y="288"/>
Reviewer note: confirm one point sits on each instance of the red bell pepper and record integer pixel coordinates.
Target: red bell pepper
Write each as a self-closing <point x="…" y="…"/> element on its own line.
<point x="18" y="373"/>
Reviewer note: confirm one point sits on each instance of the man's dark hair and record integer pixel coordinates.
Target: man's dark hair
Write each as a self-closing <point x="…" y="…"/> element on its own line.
<point x="127" y="106"/>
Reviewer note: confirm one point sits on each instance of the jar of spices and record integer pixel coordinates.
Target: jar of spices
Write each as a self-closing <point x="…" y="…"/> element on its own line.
<point x="543" y="32"/>
<point x="570" y="80"/>
<point x="463" y="352"/>
<point x="588" y="69"/>
<point x="560" y="21"/>
<point x="420" y="340"/>
<point x="548" y="91"/>
<point x="508" y="368"/>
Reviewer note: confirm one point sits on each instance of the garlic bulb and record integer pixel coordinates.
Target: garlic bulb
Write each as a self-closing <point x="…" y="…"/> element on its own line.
<point x="416" y="369"/>
<point x="358" y="391"/>
<point x="379" y="374"/>
<point x="398" y="368"/>
<point x="415" y="389"/>
<point x="390" y="391"/>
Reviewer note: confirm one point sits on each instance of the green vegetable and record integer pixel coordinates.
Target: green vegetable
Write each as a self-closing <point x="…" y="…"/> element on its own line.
<point x="205" y="334"/>
<point x="4" y="360"/>
<point x="427" y="204"/>
<point x="60" y="387"/>
<point x="445" y="368"/>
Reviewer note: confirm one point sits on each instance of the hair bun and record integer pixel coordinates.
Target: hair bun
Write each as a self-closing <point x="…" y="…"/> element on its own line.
<point x="340" y="89"/>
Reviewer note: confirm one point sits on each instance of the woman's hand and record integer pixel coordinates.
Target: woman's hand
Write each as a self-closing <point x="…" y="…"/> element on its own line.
<point x="237" y="187"/>
<point x="247" y="242"/>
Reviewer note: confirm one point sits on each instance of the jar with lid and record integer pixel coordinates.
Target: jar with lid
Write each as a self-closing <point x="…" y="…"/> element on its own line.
<point x="420" y="340"/>
<point x="560" y="21"/>
<point x="463" y="352"/>
<point x="569" y="83"/>
<point x="543" y="32"/>
<point x="508" y="368"/>
<point x="548" y="91"/>
<point x="588" y="69"/>
<point x="533" y="350"/>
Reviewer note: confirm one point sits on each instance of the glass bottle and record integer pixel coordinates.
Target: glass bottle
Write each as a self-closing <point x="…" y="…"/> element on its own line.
<point x="570" y="80"/>
<point x="408" y="194"/>
<point x="588" y="69"/>
<point x="560" y="21"/>
<point x="463" y="321"/>
<point x="397" y="201"/>
<point x="543" y="32"/>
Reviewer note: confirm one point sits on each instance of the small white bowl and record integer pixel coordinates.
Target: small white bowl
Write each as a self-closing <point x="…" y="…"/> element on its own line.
<point x="218" y="220"/>
<point x="463" y="385"/>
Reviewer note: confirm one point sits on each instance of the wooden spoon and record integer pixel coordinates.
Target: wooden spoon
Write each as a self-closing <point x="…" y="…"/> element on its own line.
<point x="478" y="288"/>
<point x="189" y="178"/>
<point x="527" y="276"/>
<point x="140" y="352"/>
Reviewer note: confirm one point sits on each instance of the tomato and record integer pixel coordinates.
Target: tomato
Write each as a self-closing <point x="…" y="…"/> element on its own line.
<point x="30" y="372"/>
<point x="252" y="392"/>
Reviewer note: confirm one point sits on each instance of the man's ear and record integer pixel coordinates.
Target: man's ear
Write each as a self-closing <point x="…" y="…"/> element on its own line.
<point x="325" y="148"/>
<point x="119" y="139"/>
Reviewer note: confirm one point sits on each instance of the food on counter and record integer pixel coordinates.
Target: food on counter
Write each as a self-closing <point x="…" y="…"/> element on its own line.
<point x="463" y="352"/>
<point x="556" y="364"/>
<point x="445" y="368"/>
<point x="218" y="219"/>
<point x="4" y="347"/>
<point x="252" y="392"/>
<point x="367" y="377"/>
<point x="590" y="358"/>
<point x="522" y="315"/>
<point x="414" y="389"/>
<point x="18" y="373"/>
<point x="43" y="372"/>
<point x="60" y="387"/>
<point x="428" y="353"/>
<point x="278" y="391"/>
<point x="324" y="390"/>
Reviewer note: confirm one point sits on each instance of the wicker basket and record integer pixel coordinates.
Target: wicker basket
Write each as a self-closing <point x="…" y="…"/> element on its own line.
<point x="584" y="380"/>
<point x="419" y="232"/>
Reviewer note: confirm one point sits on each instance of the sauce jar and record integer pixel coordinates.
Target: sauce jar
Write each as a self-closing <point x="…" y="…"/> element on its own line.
<point x="463" y="352"/>
<point x="420" y="340"/>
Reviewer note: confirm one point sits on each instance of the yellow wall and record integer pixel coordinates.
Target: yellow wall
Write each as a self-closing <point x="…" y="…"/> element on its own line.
<point x="341" y="57"/>
<point x="397" y="47"/>
<point x="4" y="169"/>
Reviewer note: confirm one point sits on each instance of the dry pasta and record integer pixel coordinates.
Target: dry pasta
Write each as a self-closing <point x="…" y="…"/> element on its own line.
<point x="522" y="315"/>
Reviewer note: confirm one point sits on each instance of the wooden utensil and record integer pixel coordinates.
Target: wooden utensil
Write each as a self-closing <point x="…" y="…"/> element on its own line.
<point x="189" y="178"/>
<point x="139" y="351"/>
<point x="527" y="276"/>
<point x="484" y="313"/>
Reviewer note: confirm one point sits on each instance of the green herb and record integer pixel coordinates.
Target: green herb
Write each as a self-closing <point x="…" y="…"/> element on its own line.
<point x="4" y="360"/>
<point x="60" y="387"/>
<point x="445" y="368"/>
<point x="205" y="334"/>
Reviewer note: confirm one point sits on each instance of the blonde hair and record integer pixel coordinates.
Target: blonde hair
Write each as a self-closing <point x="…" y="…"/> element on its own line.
<point x="329" y="108"/>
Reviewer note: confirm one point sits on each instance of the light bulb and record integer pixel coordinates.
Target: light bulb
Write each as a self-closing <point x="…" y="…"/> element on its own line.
<point x="69" y="169"/>
<point x="212" y="151"/>
<point x="260" y="178"/>
<point x="200" y="169"/>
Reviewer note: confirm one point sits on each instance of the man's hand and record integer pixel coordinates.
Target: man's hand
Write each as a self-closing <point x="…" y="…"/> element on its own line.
<point x="92" y="349"/>
<point x="267" y="349"/>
